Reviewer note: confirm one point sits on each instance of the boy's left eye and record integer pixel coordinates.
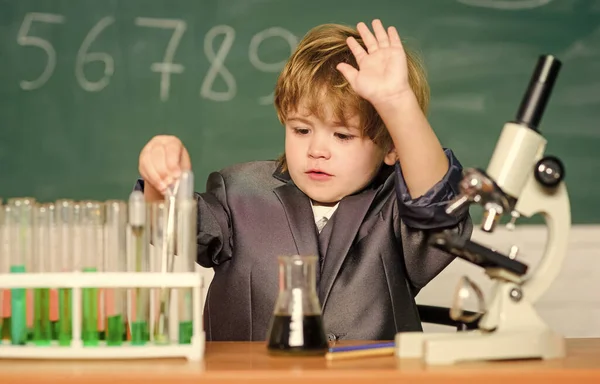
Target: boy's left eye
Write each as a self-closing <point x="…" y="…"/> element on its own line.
<point x="344" y="136"/>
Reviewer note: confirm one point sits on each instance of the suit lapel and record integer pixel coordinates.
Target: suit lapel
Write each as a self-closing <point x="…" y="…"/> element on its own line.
<point x="349" y="216"/>
<point x="300" y="218"/>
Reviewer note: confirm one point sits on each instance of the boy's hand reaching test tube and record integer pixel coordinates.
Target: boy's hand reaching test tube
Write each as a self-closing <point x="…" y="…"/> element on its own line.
<point x="161" y="163"/>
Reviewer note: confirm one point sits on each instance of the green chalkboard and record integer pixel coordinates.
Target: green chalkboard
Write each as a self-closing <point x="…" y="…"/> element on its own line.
<point x="85" y="83"/>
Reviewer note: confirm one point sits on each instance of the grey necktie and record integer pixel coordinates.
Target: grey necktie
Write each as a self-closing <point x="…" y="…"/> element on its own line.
<point x="321" y="223"/>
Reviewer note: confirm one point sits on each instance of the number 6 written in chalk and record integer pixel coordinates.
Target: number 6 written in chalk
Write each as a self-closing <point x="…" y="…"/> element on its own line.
<point x="84" y="57"/>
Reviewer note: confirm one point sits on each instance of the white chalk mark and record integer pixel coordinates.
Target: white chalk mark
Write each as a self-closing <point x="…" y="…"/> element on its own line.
<point x="33" y="41"/>
<point x="84" y="57"/>
<point x="584" y="48"/>
<point x="255" y="43"/>
<point x="167" y="67"/>
<point x="506" y="5"/>
<point x="580" y="95"/>
<point x="464" y="61"/>
<point x="460" y="102"/>
<point x="217" y="67"/>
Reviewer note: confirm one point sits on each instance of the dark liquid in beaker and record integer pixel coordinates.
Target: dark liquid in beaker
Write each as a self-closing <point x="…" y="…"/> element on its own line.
<point x="303" y="336"/>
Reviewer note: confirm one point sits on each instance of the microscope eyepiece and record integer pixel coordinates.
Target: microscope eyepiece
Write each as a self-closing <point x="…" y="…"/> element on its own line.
<point x="538" y="92"/>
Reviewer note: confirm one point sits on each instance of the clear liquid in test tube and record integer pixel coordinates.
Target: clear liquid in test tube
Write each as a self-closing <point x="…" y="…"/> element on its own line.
<point x="138" y="261"/>
<point x="54" y="267"/>
<point x="4" y="268"/>
<point x="185" y="261"/>
<point x="115" y="260"/>
<point x="161" y="246"/>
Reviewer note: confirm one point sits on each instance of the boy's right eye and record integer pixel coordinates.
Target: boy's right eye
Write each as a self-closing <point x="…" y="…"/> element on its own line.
<point x="301" y="131"/>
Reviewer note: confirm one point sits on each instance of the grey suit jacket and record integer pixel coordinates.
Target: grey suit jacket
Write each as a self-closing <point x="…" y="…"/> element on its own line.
<point x="376" y="261"/>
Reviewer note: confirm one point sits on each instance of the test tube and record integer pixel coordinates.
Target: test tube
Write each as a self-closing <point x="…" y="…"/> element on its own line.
<point x="115" y="260"/>
<point x="65" y="221"/>
<point x="186" y="252"/>
<point x="42" y="332"/>
<point x="160" y="242"/>
<point x="53" y="267"/>
<point x="4" y="268"/>
<point x="20" y="227"/>
<point x="92" y="230"/>
<point x="138" y="261"/>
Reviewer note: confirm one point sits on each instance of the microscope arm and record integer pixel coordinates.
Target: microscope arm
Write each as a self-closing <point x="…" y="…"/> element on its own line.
<point x="551" y="201"/>
<point x="553" y="204"/>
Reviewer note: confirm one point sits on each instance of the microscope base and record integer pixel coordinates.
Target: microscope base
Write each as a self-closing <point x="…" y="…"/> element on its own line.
<point x="450" y="348"/>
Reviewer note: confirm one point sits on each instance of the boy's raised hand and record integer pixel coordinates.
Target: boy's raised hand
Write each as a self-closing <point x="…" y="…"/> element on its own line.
<point x="382" y="74"/>
<point x="161" y="161"/>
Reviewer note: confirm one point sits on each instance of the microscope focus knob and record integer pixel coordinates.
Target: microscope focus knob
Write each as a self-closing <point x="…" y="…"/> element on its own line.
<point x="549" y="171"/>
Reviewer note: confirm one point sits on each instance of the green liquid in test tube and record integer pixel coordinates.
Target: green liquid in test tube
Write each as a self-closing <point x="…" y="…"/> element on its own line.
<point x="42" y="331"/>
<point x="186" y="252"/>
<point x="89" y="325"/>
<point x="20" y="243"/>
<point x="4" y="268"/>
<point x="5" y="327"/>
<point x="65" y="323"/>
<point x="68" y="215"/>
<point x="91" y="256"/>
<point x="138" y="261"/>
<point x="186" y="326"/>
<point x="115" y="260"/>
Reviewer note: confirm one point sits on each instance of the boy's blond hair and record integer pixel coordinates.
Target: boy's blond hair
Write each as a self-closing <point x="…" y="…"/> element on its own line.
<point x="310" y="77"/>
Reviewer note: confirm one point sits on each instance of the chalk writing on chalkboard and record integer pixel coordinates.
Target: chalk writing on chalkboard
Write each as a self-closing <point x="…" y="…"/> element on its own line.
<point x="585" y="48"/>
<point x="24" y="39"/>
<point x="216" y="56"/>
<point x="506" y="4"/>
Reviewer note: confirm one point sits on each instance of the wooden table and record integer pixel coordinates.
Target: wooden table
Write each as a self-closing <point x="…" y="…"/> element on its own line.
<point x="248" y="362"/>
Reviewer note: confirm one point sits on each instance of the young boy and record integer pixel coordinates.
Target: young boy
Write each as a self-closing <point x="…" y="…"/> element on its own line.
<point x="362" y="184"/>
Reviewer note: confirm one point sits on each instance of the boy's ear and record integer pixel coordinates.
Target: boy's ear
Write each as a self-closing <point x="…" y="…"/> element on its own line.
<point x="391" y="157"/>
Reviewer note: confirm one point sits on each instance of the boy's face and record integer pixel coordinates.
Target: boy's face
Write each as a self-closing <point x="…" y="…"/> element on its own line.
<point x="328" y="161"/>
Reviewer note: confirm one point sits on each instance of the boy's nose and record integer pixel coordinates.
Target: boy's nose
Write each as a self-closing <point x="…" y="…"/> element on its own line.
<point x="318" y="149"/>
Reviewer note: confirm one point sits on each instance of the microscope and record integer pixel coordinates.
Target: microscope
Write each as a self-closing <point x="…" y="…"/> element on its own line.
<point x="520" y="181"/>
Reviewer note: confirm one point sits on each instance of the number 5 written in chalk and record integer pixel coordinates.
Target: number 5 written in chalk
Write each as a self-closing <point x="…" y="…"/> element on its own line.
<point x="26" y="40"/>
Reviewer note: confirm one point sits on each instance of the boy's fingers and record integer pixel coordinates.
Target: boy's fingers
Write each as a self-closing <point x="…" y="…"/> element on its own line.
<point x="185" y="162"/>
<point x="348" y="71"/>
<point x="394" y="37"/>
<point x="154" y="179"/>
<point x="172" y="156"/>
<point x="158" y="161"/>
<point x="357" y="50"/>
<point x="382" y="37"/>
<point x="367" y="36"/>
<point x="148" y="173"/>
<point x="162" y="161"/>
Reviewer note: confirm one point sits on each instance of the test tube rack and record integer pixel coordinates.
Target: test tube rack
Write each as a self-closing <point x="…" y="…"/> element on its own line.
<point x="97" y="253"/>
<point x="194" y="351"/>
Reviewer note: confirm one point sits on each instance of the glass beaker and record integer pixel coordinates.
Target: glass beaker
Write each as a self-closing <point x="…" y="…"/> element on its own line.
<point x="296" y="326"/>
